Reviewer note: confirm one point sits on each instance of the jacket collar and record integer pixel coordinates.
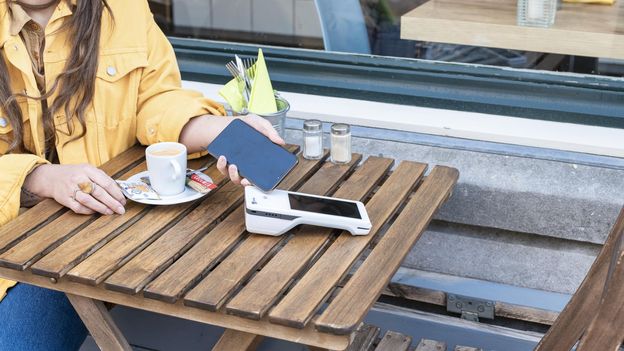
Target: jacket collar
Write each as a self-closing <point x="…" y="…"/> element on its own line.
<point x="17" y="18"/>
<point x="63" y="9"/>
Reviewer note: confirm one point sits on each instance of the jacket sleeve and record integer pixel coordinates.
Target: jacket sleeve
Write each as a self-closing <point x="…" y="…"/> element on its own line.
<point x="13" y="171"/>
<point x="163" y="106"/>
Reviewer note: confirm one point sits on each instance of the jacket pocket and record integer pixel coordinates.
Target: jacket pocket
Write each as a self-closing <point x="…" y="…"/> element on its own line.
<point x="6" y="135"/>
<point x="117" y="83"/>
<point x="6" y="129"/>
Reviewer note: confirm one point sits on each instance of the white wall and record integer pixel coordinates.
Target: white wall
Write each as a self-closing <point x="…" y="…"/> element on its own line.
<point x="284" y="17"/>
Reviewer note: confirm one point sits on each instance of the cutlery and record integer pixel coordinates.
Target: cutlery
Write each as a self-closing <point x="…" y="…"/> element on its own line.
<point x="243" y="72"/>
<point x="231" y="67"/>
<point x="193" y="171"/>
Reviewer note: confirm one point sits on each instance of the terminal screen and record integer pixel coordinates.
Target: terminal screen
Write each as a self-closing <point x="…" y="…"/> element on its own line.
<point x="324" y="206"/>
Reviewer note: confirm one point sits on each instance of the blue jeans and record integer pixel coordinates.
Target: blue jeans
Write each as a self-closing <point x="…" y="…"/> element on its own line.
<point x="33" y="319"/>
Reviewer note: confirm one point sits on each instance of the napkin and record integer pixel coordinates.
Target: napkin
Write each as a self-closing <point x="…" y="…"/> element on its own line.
<point x="603" y="2"/>
<point x="232" y="92"/>
<point x="262" y="98"/>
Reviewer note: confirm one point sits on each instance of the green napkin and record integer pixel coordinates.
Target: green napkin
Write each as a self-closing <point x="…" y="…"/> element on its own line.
<point x="262" y="99"/>
<point x="232" y="92"/>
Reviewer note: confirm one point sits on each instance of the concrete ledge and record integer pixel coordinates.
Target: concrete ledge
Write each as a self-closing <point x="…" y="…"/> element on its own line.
<point x="518" y="259"/>
<point x="522" y="194"/>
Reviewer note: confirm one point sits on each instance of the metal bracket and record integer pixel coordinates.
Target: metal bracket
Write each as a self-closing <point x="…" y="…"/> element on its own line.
<point x="470" y="308"/>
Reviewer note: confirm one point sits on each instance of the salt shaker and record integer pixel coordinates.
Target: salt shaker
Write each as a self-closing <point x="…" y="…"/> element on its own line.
<point x="340" y="143"/>
<point x="312" y="139"/>
<point x="537" y="13"/>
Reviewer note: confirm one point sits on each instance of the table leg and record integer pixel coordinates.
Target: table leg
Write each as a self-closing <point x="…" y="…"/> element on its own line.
<point x="99" y="322"/>
<point x="233" y="340"/>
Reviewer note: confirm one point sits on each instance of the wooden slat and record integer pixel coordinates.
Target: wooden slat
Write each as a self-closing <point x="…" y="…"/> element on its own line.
<point x="44" y="240"/>
<point x="605" y="331"/>
<point x="308" y="336"/>
<point x="219" y="285"/>
<point x="579" y="312"/>
<point x="363" y="338"/>
<point x="195" y="264"/>
<point x="393" y="341"/>
<point x="430" y="345"/>
<point x="143" y="232"/>
<point x="267" y="286"/>
<point x="101" y="326"/>
<point x="403" y="289"/>
<point x="236" y="340"/>
<point x="139" y="271"/>
<point x="308" y="294"/>
<point x="27" y="223"/>
<point x="81" y="245"/>
<point x="349" y="307"/>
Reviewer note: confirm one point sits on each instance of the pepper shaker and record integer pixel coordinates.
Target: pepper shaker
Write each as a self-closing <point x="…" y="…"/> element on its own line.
<point x="312" y="139"/>
<point x="340" y="143"/>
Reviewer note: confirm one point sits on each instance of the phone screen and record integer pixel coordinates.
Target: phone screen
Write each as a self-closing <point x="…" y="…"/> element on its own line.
<point x="324" y="206"/>
<point x="258" y="159"/>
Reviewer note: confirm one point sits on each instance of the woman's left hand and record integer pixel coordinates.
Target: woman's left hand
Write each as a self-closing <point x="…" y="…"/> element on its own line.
<point x="263" y="126"/>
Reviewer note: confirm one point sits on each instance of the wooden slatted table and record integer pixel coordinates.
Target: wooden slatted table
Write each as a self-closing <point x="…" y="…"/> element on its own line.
<point x="197" y="262"/>
<point x="580" y="29"/>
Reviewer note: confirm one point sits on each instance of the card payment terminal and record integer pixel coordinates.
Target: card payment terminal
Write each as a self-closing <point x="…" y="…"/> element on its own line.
<point x="278" y="211"/>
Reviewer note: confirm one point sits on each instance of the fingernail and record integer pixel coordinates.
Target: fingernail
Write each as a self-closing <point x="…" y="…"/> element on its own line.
<point x="121" y="210"/>
<point x="108" y="212"/>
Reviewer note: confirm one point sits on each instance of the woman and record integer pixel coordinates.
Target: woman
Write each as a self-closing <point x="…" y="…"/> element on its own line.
<point x="80" y="82"/>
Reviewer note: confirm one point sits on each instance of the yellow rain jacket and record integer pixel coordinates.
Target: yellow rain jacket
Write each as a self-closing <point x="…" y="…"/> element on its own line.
<point x="137" y="95"/>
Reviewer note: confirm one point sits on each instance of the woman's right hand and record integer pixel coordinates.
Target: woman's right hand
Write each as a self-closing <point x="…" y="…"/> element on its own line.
<point x="61" y="183"/>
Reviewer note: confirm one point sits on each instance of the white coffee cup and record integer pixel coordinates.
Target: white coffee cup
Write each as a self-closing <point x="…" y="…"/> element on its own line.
<point x="166" y="165"/>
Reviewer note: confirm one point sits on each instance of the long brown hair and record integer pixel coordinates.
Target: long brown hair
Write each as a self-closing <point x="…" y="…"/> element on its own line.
<point x="76" y="84"/>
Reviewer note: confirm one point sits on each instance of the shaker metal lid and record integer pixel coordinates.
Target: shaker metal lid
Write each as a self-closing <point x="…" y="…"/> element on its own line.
<point x="340" y="129"/>
<point x="312" y="125"/>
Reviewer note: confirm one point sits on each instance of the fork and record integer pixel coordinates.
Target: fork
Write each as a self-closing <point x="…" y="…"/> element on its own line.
<point x="236" y="74"/>
<point x="250" y="68"/>
<point x="243" y="70"/>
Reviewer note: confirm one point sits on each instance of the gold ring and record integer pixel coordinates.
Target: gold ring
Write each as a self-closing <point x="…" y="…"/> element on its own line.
<point x="86" y="187"/>
<point x="74" y="196"/>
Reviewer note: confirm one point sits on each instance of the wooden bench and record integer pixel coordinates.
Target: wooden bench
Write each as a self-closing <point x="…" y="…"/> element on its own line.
<point x="594" y="316"/>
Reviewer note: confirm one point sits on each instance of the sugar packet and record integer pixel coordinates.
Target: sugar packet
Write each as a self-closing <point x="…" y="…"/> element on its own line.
<point x="193" y="181"/>
<point x="138" y="190"/>
<point x="197" y="183"/>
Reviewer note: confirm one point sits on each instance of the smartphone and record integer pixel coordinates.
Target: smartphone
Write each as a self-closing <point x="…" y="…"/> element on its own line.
<point x="258" y="159"/>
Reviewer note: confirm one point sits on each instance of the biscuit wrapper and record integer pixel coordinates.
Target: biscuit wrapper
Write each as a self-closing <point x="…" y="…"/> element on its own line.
<point x="138" y="190"/>
<point x="194" y="182"/>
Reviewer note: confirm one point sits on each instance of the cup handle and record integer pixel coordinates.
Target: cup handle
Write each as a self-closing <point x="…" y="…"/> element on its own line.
<point x="177" y="171"/>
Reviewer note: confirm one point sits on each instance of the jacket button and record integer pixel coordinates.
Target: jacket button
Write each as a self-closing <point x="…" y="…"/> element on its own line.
<point x="3" y="122"/>
<point x="111" y="71"/>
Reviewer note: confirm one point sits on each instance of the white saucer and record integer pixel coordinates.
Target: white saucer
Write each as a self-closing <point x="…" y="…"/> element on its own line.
<point x="186" y="196"/>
